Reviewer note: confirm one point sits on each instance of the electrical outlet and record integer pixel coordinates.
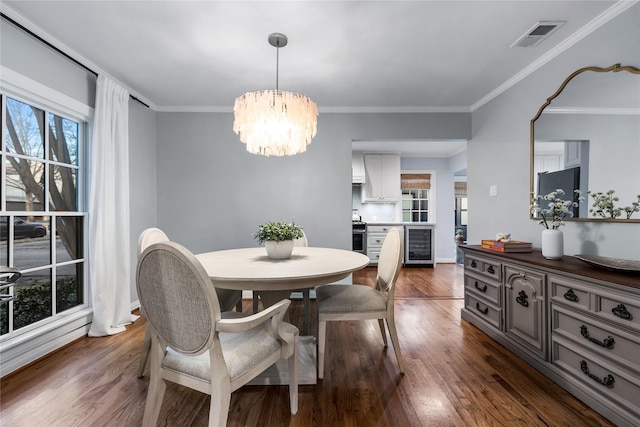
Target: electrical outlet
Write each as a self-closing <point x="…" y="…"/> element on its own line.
<point x="493" y="190"/>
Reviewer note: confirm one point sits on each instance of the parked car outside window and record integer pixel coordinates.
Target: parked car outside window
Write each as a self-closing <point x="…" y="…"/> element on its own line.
<point x="22" y="229"/>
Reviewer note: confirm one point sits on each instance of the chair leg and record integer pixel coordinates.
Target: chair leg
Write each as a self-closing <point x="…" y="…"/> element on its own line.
<point x="157" y="387"/>
<point x="293" y="378"/>
<point x="255" y="302"/>
<point x="239" y="306"/>
<point x="144" y="353"/>
<point x="307" y="307"/>
<point x="322" y="332"/>
<point x="220" y="403"/>
<point x="391" y="323"/>
<point x="383" y="331"/>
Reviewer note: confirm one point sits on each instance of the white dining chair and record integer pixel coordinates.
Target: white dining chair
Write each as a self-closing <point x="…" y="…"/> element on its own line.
<point x="193" y="346"/>
<point x="337" y="302"/>
<point x="306" y="293"/>
<point x="227" y="298"/>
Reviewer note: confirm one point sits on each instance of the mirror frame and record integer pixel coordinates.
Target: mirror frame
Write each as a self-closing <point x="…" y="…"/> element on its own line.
<point x="614" y="68"/>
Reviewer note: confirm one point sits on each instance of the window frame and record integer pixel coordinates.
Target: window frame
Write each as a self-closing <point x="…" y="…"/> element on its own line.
<point x="41" y="337"/>
<point x="431" y="195"/>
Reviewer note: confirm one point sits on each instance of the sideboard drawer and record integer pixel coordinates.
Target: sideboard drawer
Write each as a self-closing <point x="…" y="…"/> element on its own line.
<point x="615" y="306"/>
<point x="484" y="311"/>
<point x="609" y="382"/>
<point x="484" y="266"/>
<point x="621" y="310"/>
<point x="569" y="292"/>
<point x="487" y="289"/>
<point x="598" y="337"/>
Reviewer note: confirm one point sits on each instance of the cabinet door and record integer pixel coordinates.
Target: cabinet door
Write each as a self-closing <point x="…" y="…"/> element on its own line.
<point x="373" y="173"/>
<point x="525" y="309"/>
<point x="390" y="177"/>
<point x="382" y="178"/>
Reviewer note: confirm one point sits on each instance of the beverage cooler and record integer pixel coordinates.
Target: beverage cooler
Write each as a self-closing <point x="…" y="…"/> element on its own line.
<point x="419" y="248"/>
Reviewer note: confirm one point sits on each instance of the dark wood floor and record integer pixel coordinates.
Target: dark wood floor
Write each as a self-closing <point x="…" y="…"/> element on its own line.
<point x="455" y="376"/>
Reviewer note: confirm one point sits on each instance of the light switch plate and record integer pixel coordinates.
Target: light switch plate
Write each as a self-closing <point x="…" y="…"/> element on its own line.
<point x="493" y="190"/>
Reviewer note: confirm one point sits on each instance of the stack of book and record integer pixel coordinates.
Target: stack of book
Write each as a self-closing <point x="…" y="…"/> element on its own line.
<point x="509" y="246"/>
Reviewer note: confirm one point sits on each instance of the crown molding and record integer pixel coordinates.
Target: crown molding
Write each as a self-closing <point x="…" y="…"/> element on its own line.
<point x="596" y="23"/>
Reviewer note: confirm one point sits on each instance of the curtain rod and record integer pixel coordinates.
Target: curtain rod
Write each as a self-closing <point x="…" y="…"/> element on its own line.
<point x="61" y="52"/>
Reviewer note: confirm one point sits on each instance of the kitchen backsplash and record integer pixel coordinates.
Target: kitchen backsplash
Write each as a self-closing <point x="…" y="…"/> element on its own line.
<point x="373" y="212"/>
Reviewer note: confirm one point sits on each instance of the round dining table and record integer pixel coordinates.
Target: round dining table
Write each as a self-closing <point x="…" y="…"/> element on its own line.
<point x="275" y="279"/>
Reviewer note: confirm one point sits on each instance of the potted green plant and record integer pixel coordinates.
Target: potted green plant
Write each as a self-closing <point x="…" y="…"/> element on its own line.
<point x="278" y="238"/>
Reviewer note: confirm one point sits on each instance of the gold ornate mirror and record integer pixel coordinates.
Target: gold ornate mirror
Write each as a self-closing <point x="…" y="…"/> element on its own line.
<point x="587" y="136"/>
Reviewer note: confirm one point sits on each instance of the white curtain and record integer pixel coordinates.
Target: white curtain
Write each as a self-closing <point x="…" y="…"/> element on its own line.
<point x="109" y="239"/>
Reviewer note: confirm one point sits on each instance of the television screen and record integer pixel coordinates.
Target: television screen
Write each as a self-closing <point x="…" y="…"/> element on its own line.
<point x="567" y="180"/>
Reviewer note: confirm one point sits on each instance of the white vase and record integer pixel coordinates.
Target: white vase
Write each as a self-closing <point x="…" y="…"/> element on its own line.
<point x="279" y="250"/>
<point x="552" y="244"/>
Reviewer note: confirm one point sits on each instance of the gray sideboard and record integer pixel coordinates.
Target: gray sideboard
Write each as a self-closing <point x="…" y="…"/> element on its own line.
<point x="577" y="324"/>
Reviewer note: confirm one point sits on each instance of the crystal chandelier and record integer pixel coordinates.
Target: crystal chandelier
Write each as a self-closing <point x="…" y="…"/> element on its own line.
<point x="275" y="122"/>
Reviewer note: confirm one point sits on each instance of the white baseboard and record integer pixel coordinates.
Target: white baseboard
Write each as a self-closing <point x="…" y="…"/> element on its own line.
<point x="29" y="347"/>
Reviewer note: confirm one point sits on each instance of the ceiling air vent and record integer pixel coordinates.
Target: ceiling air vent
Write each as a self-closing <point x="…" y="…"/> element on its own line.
<point x="538" y="33"/>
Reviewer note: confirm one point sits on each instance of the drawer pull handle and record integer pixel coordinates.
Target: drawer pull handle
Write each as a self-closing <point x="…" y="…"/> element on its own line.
<point x="482" y="310"/>
<point x="571" y="296"/>
<point x="473" y="264"/>
<point x="607" y="343"/>
<point x="621" y="312"/>
<point x="490" y="270"/>
<point x="522" y="299"/>
<point x="481" y="289"/>
<point x="606" y="381"/>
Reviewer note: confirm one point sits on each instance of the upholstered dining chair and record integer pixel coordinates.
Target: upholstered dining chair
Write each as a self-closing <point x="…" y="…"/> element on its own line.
<point x="359" y="302"/>
<point x="227" y="298"/>
<point x="304" y="242"/>
<point x="193" y="346"/>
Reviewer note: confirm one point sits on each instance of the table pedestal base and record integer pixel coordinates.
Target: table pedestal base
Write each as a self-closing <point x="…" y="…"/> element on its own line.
<point x="278" y="373"/>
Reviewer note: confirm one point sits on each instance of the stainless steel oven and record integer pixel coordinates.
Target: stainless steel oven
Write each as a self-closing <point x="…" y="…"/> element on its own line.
<point x="359" y="237"/>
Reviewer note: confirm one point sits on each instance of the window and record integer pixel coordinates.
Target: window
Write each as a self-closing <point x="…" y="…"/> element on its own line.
<point x="41" y="216"/>
<point x="415" y="197"/>
<point x="461" y="215"/>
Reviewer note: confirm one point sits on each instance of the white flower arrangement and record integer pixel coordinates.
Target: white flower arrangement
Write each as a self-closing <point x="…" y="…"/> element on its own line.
<point x="552" y="217"/>
<point x="604" y="205"/>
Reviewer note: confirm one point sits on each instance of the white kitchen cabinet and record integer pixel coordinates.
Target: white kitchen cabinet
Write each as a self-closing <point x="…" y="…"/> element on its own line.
<point x="375" y="238"/>
<point x="358" y="175"/>
<point x="382" y="173"/>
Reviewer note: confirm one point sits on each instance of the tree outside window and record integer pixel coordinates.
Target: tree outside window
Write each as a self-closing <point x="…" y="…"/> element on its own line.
<point x="40" y="158"/>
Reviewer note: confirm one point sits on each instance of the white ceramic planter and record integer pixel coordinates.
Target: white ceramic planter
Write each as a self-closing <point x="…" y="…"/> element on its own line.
<point x="279" y="250"/>
<point x="552" y="244"/>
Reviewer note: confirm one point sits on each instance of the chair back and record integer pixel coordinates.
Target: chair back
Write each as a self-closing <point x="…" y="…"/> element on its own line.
<point x="302" y="241"/>
<point x="150" y="236"/>
<point x="390" y="261"/>
<point x="180" y="304"/>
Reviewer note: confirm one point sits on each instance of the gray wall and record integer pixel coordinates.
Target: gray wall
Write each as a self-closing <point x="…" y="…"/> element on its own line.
<point x="499" y="150"/>
<point x="143" y="192"/>
<point x="212" y="194"/>
<point x="31" y="58"/>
